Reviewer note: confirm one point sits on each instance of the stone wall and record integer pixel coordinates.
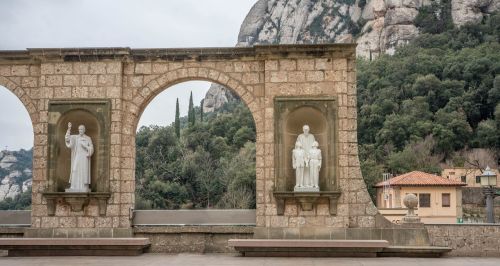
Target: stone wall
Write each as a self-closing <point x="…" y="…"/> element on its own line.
<point x="320" y="76"/>
<point x="11" y="232"/>
<point x="465" y="239"/>
<point x="193" y="239"/>
<point x="130" y="79"/>
<point x="477" y="240"/>
<point x="474" y="205"/>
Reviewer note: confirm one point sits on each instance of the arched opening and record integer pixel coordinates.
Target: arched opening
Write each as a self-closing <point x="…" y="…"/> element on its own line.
<point x="16" y="152"/>
<point x="195" y="149"/>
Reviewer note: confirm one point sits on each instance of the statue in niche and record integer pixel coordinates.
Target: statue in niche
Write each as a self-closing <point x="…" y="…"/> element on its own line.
<point x="306" y="141"/>
<point x="81" y="151"/>
<point x="299" y="161"/>
<point x="314" y="165"/>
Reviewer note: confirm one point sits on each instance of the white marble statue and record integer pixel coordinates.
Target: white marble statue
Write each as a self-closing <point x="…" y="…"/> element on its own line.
<point x="306" y="141"/>
<point x="299" y="161"/>
<point x="314" y="165"/>
<point x="81" y="151"/>
<point x="306" y="138"/>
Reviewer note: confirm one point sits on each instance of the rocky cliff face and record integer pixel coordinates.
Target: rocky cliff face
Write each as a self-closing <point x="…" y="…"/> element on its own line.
<point x="8" y="186"/>
<point x="304" y="21"/>
<point x="472" y="11"/>
<point x="15" y="173"/>
<point x="378" y="26"/>
<point x="217" y="96"/>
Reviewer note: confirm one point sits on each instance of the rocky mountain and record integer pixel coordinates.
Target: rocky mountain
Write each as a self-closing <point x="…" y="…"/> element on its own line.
<point x="15" y="173"/>
<point x="216" y="96"/>
<point x="377" y="26"/>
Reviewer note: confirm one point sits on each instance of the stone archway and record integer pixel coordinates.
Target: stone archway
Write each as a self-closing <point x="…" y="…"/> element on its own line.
<point x="127" y="79"/>
<point x="21" y="94"/>
<point x="28" y="104"/>
<point x="151" y="89"/>
<point x="166" y="80"/>
<point x="158" y="89"/>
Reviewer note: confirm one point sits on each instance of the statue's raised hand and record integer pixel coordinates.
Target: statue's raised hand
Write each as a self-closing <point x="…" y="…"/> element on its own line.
<point x="69" y="125"/>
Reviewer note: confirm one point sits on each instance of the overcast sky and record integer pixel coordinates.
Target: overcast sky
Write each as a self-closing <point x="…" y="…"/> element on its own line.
<point x="119" y="23"/>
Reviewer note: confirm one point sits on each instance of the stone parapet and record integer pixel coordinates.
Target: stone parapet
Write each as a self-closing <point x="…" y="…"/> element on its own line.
<point x="471" y="240"/>
<point x="464" y="239"/>
<point x="85" y="54"/>
<point x="198" y="239"/>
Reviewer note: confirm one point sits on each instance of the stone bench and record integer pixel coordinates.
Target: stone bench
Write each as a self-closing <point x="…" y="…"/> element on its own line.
<point x="414" y="251"/>
<point x="307" y="248"/>
<point x="74" y="246"/>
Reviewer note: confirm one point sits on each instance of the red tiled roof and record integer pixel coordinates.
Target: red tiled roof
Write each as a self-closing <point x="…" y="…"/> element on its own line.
<point x="417" y="178"/>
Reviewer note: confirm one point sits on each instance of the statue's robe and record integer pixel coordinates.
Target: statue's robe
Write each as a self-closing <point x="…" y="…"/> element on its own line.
<point x="306" y="141"/>
<point x="314" y="166"/>
<point x="81" y="151"/>
<point x="298" y="163"/>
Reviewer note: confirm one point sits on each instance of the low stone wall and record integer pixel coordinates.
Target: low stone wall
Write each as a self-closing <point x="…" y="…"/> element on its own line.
<point x="474" y="240"/>
<point x="195" y="239"/>
<point x="465" y="239"/>
<point x="11" y="232"/>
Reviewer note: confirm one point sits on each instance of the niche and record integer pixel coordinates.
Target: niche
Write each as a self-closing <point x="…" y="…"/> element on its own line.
<point x="311" y="116"/>
<point x="95" y="115"/>
<point x="62" y="154"/>
<point x="291" y="114"/>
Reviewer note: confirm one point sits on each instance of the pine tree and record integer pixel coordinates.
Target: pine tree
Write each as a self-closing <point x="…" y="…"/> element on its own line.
<point x="201" y="110"/>
<point x="191" y="110"/>
<point x="177" y="120"/>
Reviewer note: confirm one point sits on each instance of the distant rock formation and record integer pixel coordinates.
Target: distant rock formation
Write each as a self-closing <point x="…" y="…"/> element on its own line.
<point x="7" y="161"/>
<point x="15" y="173"/>
<point x="377" y="26"/>
<point x="472" y="11"/>
<point x="216" y="97"/>
<point x="27" y="185"/>
<point x="8" y="187"/>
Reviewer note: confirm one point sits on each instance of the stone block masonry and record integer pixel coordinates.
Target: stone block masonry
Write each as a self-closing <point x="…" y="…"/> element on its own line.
<point x="130" y="78"/>
<point x="471" y="240"/>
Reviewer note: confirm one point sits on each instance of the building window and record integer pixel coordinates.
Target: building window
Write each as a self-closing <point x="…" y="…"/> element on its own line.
<point x="424" y="200"/>
<point x="478" y="179"/>
<point x="463" y="179"/>
<point x="452" y="173"/>
<point x="445" y="199"/>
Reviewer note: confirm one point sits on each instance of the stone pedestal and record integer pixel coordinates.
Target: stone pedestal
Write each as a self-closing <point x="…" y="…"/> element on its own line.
<point x="306" y="200"/>
<point x="411" y="202"/>
<point x="306" y="189"/>
<point x="77" y="200"/>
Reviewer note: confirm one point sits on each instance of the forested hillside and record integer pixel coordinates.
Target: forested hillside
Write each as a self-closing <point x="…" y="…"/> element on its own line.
<point x="434" y="99"/>
<point x="211" y="164"/>
<point x="429" y="104"/>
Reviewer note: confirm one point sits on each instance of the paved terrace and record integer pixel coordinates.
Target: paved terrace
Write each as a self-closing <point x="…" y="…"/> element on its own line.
<point x="231" y="259"/>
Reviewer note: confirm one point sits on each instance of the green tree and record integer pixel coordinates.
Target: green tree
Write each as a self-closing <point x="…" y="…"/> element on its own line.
<point x="415" y="156"/>
<point x="191" y="114"/>
<point x="488" y="134"/>
<point x="243" y="135"/>
<point x="444" y="84"/>
<point x="201" y="110"/>
<point x="435" y="18"/>
<point x="452" y="131"/>
<point x="21" y="201"/>
<point x="177" y="119"/>
<point x="206" y="167"/>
